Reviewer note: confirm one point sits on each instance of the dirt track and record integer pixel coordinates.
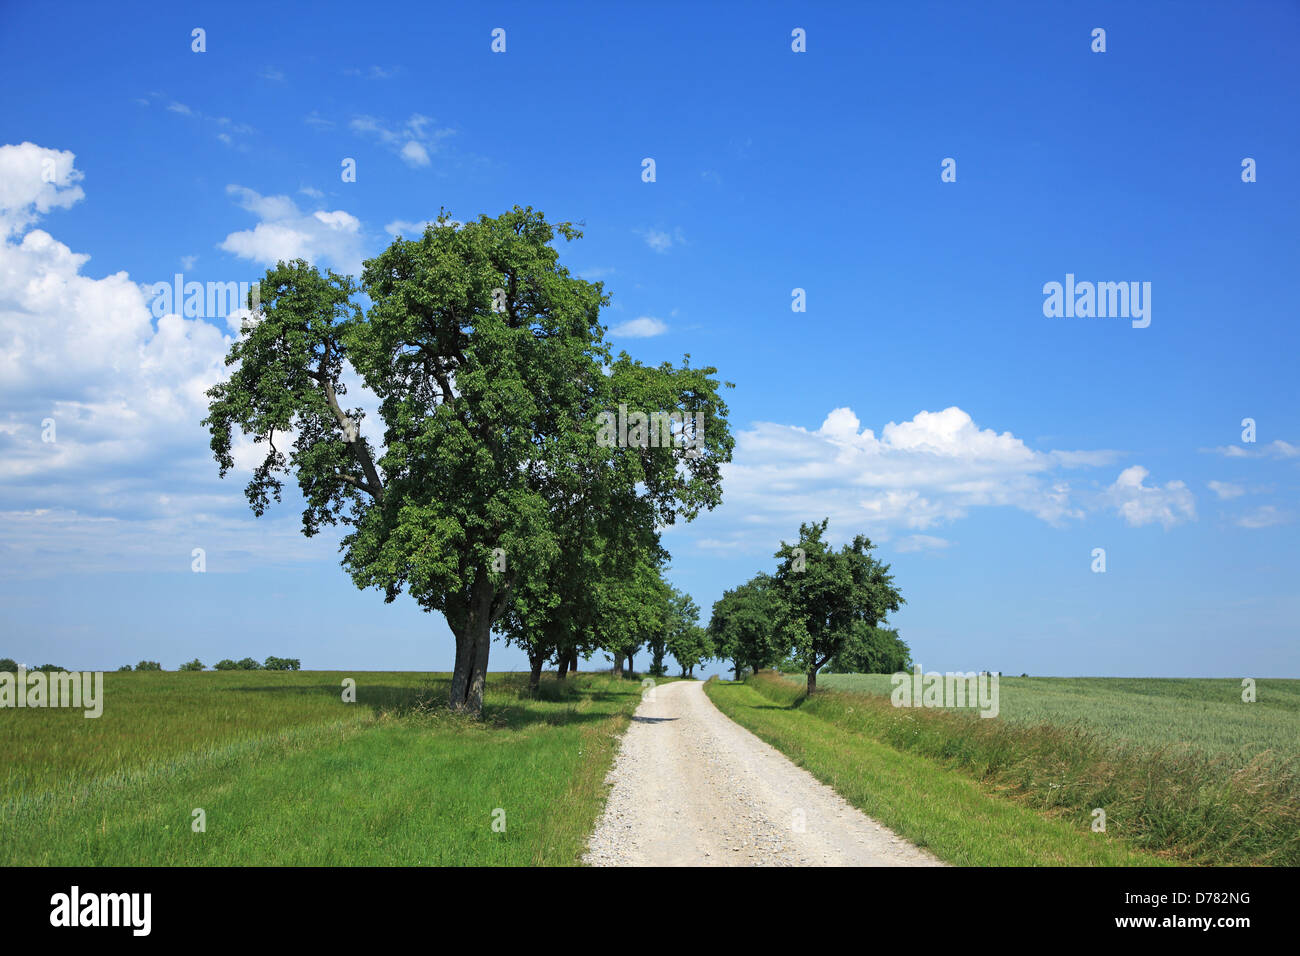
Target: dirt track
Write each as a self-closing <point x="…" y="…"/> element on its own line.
<point x="693" y="788"/>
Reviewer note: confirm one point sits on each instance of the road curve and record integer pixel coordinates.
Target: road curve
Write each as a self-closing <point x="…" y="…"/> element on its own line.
<point x="690" y="787"/>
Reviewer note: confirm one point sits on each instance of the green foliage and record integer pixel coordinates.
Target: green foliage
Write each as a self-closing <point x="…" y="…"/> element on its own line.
<point x="194" y="665"/>
<point x="125" y="667"/>
<point x="685" y="639"/>
<point x="742" y="628"/>
<point x="282" y="664"/>
<point x="246" y="664"/>
<point x="871" y="650"/>
<point x="825" y="597"/>
<point x="492" y="493"/>
<point x="8" y="665"/>
<point x="148" y="666"/>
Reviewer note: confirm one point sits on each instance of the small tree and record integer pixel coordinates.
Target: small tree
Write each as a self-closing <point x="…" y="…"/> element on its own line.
<point x="825" y="595"/>
<point x="681" y="637"/>
<point x="226" y="664"/>
<point x="248" y="664"/>
<point x="690" y="647"/>
<point x="8" y="665"/>
<point x="871" y="650"/>
<point x="148" y="666"/>
<point x="194" y="665"/>
<point x="124" y="667"/>
<point x="743" y="628"/>
<point x="281" y="664"/>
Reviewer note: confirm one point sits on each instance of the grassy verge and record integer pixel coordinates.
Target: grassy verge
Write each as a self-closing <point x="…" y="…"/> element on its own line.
<point x="1178" y="805"/>
<point x="287" y="774"/>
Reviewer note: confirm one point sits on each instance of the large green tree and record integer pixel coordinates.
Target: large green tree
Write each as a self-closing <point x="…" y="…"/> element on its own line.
<point x="825" y="596"/>
<point x="490" y="367"/>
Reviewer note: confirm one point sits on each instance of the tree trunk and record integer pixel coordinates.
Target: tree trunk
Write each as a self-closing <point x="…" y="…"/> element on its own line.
<point x="812" y="681"/>
<point x="573" y="661"/>
<point x="467" y="679"/>
<point x="535" y="675"/>
<point x="618" y="665"/>
<point x="630" y="669"/>
<point x="563" y="666"/>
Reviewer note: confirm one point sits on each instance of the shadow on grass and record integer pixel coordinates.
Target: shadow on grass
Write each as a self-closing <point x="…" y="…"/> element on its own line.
<point x="554" y="703"/>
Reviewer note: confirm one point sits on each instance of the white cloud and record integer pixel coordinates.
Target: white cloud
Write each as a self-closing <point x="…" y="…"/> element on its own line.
<point x="34" y="180"/>
<point x="921" y="542"/>
<point x="414" y="141"/>
<point x="413" y="154"/>
<point x="918" y="474"/>
<point x="123" y="394"/>
<point x="187" y="262"/>
<point x="642" y="328"/>
<point x="1274" y="449"/>
<point x="1140" y="504"/>
<point x="1265" y="516"/>
<point x="414" y="230"/>
<point x="1226" y="489"/>
<point x="323" y="238"/>
<point x="128" y="480"/>
<point x="661" y="241"/>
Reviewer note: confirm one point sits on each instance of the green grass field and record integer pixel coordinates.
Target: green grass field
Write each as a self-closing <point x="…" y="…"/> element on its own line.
<point x="1171" y="784"/>
<point x="1154" y="712"/>
<point x="288" y="774"/>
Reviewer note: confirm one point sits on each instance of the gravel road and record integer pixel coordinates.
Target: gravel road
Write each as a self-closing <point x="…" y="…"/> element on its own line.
<point x="692" y="788"/>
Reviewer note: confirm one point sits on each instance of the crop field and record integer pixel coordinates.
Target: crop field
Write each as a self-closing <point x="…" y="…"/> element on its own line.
<point x="287" y="773"/>
<point x="1145" y="753"/>
<point x="1208" y="714"/>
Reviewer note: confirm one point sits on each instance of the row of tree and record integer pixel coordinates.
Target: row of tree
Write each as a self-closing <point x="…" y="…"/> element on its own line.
<point x="820" y="608"/>
<point x="496" y="494"/>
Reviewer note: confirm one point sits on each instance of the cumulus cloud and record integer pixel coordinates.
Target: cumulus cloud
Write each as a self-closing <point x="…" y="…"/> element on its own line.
<point x="34" y="180"/>
<point x="915" y="476"/>
<point x="1139" y="504"/>
<point x="641" y="328"/>
<point x="103" y="462"/>
<point x="332" y="239"/>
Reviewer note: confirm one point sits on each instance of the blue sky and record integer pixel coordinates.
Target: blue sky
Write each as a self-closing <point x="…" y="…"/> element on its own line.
<point x="923" y="398"/>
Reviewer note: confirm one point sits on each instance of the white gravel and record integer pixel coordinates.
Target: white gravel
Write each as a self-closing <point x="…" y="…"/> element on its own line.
<point x="692" y="788"/>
